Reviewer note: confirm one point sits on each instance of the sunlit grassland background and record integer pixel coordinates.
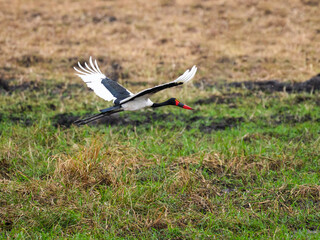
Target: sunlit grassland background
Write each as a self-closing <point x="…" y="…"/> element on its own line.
<point x="244" y="164"/>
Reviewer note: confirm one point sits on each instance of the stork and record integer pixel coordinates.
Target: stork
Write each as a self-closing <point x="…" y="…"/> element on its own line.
<point x="122" y="98"/>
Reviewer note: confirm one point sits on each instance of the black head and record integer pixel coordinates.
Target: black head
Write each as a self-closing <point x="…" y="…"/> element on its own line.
<point x="176" y="102"/>
<point x="172" y="101"/>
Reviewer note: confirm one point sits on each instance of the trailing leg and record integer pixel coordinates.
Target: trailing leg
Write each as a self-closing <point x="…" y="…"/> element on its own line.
<point x="96" y="117"/>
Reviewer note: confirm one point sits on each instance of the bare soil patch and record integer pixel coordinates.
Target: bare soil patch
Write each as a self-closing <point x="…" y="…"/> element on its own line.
<point x="220" y="124"/>
<point x="64" y="119"/>
<point x="206" y="124"/>
<point x="313" y="84"/>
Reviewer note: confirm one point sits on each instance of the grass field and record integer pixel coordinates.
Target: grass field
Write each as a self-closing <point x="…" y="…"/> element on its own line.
<point x="244" y="165"/>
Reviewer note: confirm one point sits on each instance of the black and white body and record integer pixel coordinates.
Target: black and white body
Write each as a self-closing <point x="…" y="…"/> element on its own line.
<point x="122" y="98"/>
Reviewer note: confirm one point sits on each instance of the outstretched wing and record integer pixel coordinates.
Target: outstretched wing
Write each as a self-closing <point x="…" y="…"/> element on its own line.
<point x="104" y="87"/>
<point x="186" y="77"/>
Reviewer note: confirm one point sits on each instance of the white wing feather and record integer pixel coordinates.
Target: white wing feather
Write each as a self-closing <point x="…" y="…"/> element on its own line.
<point x="187" y="76"/>
<point x="93" y="77"/>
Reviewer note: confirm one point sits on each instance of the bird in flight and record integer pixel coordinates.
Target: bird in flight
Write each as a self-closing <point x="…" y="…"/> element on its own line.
<point x="122" y="98"/>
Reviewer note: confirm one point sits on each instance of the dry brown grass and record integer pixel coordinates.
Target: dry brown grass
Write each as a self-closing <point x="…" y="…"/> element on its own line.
<point x="231" y="40"/>
<point x="96" y="164"/>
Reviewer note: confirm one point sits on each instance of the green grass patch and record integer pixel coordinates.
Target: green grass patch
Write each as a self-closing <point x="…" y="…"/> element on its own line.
<point x="246" y="169"/>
